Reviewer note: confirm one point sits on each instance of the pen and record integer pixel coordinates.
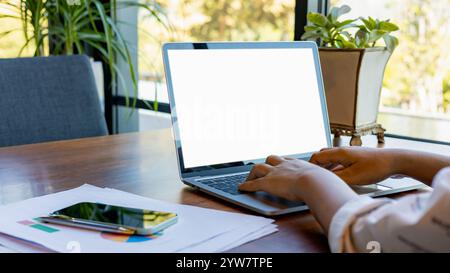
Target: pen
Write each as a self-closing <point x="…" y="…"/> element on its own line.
<point x="63" y="220"/>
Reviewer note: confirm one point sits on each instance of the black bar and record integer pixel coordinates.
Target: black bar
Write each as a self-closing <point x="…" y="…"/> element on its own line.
<point x="108" y="96"/>
<point x="418" y="139"/>
<point x="228" y="262"/>
<point x="301" y="10"/>
<point x="141" y="104"/>
<point x="200" y="46"/>
<point x="109" y="88"/>
<point x="319" y="6"/>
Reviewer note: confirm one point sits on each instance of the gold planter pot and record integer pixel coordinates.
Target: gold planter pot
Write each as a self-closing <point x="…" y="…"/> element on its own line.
<point x="353" y="79"/>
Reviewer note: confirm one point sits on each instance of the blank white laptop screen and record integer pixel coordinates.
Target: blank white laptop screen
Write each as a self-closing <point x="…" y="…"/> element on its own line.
<point x="245" y="104"/>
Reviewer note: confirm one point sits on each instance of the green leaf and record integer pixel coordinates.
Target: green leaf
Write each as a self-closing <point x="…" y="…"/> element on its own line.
<point x="15" y="17"/>
<point x="311" y="35"/>
<point x="346" y="34"/>
<point x="345" y="24"/>
<point x="339" y="44"/>
<point x="377" y="23"/>
<point x="387" y="26"/>
<point x="336" y="12"/>
<point x="367" y="23"/>
<point x="325" y="33"/>
<point x="317" y="19"/>
<point x="391" y="42"/>
<point x="90" y="15"/>
<point x="372" y="22"/>
<point x="5" y="33"/>
<point x="361" y="38"/>
<point x="348" y="44"/>
<point x="108" y="35"/>
<point x="375" y="35"/>
<point x="310" y="28"/>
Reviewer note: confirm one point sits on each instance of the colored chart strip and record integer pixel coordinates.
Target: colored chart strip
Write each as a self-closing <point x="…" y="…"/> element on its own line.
<point x="124" y="238"/>
<point x="38" y="226"/>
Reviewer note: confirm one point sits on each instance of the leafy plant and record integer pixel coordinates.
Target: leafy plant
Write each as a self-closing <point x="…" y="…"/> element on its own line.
<point x="76" y="26"/>
<point x="350" y="33"/>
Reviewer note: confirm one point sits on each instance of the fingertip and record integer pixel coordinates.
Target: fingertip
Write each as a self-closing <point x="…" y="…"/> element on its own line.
<point x="274" y="160"/>
<point x="325" y="156"/>
<point x="251" y="186"/>
<point x="314" y="158"/>
<point x="246" y="186"/>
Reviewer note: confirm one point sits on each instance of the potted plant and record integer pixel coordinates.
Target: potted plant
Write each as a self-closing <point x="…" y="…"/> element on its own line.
<point x="66" y="27"/>
<point x="353" y="68"/>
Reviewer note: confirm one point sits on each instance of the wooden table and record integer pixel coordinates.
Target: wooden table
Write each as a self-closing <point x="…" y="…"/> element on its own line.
<point x="145" y="164"/>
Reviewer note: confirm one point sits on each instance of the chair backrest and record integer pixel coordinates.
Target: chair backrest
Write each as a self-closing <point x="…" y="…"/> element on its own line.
<point x="48" y="98"/>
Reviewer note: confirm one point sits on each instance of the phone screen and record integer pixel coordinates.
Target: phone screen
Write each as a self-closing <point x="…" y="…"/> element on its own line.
<point x="122" y="216"/>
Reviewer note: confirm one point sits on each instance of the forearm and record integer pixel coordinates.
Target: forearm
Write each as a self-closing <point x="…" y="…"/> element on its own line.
<point x="324" y="193"/>
<point x="418" y="165"/>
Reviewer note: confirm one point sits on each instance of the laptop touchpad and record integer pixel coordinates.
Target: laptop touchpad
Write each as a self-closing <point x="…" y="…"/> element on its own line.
<point x="275" y="201"/>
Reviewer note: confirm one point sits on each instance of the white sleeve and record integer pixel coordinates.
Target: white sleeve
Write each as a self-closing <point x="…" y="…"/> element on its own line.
<point x="414" y="223"/>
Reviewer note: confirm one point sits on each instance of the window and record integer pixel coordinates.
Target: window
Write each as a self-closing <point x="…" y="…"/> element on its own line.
<point x="204" y="20"/>
<point x="415" y="98"/>
<point x="416" y="86"/>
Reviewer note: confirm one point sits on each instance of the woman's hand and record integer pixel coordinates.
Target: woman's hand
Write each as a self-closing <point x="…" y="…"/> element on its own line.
<point x="360" y="166"/>
<point x="357" y="165"/>
<point x="283" y="177"/>
<point x="298" y="180"/>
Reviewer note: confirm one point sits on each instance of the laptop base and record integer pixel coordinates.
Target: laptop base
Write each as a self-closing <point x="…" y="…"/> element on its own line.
<point x="270" y="205"/>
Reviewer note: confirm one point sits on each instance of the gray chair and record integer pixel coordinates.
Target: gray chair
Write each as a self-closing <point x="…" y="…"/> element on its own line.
<point x="48" y="98"/>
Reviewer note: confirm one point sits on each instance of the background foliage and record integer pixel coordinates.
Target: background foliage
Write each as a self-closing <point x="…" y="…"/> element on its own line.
<point x="417" y="77"/>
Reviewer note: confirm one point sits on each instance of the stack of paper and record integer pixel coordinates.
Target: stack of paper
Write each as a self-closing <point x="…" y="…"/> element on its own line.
<point x="197" y="230"/>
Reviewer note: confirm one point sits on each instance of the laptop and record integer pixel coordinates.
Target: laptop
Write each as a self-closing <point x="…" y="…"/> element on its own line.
<point x="234" y="103"/>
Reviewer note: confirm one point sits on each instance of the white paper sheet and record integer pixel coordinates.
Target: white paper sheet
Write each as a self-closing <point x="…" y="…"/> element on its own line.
<point x="18" y="245"/>
<point x="197" y="230"/>
<point x="6" y="250"/>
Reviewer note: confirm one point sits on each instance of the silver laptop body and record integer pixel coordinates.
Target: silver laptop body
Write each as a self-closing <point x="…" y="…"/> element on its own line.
<point x="235" y="103"/>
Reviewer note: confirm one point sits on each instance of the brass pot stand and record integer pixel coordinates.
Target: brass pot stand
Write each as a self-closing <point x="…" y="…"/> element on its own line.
<point x="356" y="134"/>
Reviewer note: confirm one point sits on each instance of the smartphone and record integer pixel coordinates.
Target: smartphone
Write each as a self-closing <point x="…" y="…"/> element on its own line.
<point x="114" y="219"/>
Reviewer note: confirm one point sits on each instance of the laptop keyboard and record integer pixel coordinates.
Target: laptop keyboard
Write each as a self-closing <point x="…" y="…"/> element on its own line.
<point x="228" y="184"/>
